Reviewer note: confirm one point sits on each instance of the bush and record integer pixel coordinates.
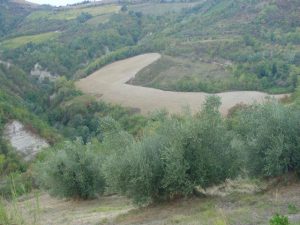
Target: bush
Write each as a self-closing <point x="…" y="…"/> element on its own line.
<point x="16" y="184"/>
<point x="270" y="136"/>
<point x="279" y="220"/>
<point x="74" y="170"/>
<point x="179" y="155"/>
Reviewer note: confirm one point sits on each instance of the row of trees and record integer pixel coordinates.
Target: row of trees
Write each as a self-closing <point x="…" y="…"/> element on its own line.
<point x="177" y="153"/>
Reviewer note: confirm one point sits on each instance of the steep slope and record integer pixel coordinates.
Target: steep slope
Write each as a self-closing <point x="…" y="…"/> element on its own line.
<point x="12" y="13"/>
<point x="20" y="99"/>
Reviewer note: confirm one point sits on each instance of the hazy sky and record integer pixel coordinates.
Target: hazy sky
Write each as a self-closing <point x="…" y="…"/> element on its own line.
<point x="55" y="2"/>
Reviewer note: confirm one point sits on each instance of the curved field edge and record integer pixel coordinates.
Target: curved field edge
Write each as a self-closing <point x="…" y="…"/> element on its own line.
<point x="109" y="84"/>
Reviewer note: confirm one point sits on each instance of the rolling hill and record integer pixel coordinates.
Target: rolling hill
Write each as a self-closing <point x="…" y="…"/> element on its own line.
<point x="90" y="80"/>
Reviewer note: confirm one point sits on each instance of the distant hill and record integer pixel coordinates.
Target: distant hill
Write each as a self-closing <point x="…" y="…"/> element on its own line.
<point x="222" y="45"/>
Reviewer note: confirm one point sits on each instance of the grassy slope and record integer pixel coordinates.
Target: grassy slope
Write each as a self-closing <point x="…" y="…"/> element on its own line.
<point x="17" y="94"/>
<point x="234" y="209"/>
<point x="214" y="32"/>
<point x="159" y="9"/>
<point x="169" y="71"/>
<point x="69" y="14"/>
<point x="23" y="40"/>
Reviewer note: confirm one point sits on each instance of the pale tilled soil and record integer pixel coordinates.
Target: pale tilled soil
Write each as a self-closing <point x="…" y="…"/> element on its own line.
<point x="109" y="84"/>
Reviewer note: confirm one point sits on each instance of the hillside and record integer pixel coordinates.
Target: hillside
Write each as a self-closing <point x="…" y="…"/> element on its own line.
<point x="229" y="45"/>
<point x="209" y="46"/>
<point x="150" y="112"/>
<point x="235" y="209"/>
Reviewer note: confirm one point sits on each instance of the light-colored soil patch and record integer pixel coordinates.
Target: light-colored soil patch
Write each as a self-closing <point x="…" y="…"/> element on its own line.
<point x="23" y="140"/>
<point x="109" y="84"/>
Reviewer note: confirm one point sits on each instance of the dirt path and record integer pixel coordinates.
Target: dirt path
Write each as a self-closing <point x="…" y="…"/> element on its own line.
<point x="109" y="84"/>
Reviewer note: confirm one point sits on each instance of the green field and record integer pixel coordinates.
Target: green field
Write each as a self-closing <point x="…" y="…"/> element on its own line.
<point x="99" y="19"/>
<point x="23" y="40"/>
<point x="69" y="14"/>
<point x="161" y="8"/>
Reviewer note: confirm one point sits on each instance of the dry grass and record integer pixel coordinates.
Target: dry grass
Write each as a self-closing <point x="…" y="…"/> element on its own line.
<point x="167" y="72"/>
<point x="234" y="209"/>
<point x="72" y="13"/>
<point x="47" y="210"/>
<point x="110" y="83"/>
<point x="161" y="8"/>
<point x="237" y="207"/>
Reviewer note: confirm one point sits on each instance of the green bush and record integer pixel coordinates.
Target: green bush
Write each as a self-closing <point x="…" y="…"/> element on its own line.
<point x="270" y="136"/>
<point x="72" y="170"/>
<point x="179" y="155"/>
<point x="16" y="184"/>
<point x="279" y="220"/>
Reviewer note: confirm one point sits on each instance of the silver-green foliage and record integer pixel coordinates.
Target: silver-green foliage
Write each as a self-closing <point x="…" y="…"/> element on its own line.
<point x="182" y="153"/>
<point x="74" y="170"/>
<point x="270" y="134"/>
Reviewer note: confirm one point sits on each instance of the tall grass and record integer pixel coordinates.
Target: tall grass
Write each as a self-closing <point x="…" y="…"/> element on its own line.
<point x="11" y="213"/>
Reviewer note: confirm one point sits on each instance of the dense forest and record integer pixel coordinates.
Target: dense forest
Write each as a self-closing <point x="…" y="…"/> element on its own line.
<point x="97" y="148"/>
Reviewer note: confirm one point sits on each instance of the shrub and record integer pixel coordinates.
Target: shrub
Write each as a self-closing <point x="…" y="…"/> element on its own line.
<point x="292" y="209"/>
<point x="183" y="152"/>
<point x="279" y="220"/>
<point x="16" y="184"/>
<point x="83" y="17"/>
<point x="74" y="170"/>
<point x="270" y="136"/>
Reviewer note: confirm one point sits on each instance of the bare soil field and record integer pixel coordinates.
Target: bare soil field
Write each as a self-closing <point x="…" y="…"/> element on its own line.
<point x="109" y="84"/>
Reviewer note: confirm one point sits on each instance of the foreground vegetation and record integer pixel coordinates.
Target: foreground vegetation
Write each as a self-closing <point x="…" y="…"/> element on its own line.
<point x="176" y="154"/>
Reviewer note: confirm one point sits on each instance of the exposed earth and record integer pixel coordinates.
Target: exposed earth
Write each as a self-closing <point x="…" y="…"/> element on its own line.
<point x="27" y="143"/>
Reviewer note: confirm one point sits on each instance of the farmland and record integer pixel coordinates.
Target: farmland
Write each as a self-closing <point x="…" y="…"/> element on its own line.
<point x="69" y="14"/>
<point x="157" y="9"/>
<point x="109" y="84"/>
